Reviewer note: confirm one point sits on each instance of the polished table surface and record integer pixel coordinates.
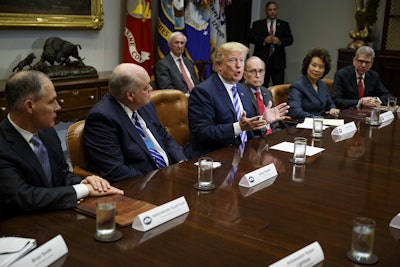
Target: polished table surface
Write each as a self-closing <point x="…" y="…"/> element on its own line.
<point x="235" y="226"/>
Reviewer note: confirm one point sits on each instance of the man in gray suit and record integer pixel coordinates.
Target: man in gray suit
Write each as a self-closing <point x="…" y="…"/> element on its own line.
<point x="254" y="73"/>
<point x="175" y="71"/>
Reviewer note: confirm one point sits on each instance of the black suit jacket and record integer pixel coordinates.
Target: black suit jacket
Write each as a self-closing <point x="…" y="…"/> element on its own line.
<point x="345" y="89"/>
<point x="267" y="96"/>
<point x="22" y="179"/>
<point x="169" y="76"/>
<point x="257" y="34"/>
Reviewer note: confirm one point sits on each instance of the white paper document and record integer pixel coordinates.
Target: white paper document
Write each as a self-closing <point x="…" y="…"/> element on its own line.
<point x="13" y="248"/>
<point x="308" y="123"/>
<point x="289" y="147"/>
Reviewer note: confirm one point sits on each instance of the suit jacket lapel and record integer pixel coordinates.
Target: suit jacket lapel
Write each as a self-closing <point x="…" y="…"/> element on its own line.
<point x="128" y="125"/>
<point x="223" y="94"/>
<point x="21" y="147"/>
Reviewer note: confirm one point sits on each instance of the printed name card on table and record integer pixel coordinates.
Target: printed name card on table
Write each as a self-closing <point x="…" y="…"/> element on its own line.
<point x="344" y="132"/>
<point x="386" y="116"/>
<point x="44" y="255"/>
<point x="161" y="214"/>
<point x="307" y="256"/>
<point x="385" y="119"/>
<point x="258" y="176"/>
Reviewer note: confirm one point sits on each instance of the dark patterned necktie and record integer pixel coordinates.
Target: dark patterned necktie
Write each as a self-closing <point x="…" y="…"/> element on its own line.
<point x="41" y="153"/>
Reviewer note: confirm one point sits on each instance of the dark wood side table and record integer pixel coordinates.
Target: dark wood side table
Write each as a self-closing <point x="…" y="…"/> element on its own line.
<point x="75" y="96"/>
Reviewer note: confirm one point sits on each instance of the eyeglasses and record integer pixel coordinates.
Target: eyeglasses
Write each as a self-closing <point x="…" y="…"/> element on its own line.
<point x="360" y="61"/>
<point x="254" y="71"/>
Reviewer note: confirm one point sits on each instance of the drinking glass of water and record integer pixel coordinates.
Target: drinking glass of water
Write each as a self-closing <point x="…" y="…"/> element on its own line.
<point x="362" y="241"/>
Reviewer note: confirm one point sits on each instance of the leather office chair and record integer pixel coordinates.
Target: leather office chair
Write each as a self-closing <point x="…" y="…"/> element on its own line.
<point x="280" y="94"/>
<point x="172" y="110"/>
<point x="75" y="148"/>
<point x="329" y="83"/>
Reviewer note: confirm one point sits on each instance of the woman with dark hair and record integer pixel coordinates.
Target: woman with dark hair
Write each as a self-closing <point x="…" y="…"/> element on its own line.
<point x="308" y="96"/>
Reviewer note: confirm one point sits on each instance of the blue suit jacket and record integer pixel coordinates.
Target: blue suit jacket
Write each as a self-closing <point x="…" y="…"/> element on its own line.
<point x="114" y="149"/>
<point x="345" y="89"/>
<point x="304" y="101"/>
<point x="22" y="184"/>
<point x="211" y="116"/>
<point x="169" y="76"/>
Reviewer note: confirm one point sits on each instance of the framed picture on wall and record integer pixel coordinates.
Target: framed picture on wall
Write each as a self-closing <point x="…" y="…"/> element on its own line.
<point x="52" y="14"/>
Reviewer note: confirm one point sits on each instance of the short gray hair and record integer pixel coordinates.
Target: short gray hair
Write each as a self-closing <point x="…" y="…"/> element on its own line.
<point x="22" y="85"/>
<point x="365" y="50"/>
<point x="174" y="34"/>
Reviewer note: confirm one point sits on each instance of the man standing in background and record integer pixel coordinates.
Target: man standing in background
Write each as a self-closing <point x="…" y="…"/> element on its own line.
<point x="270" y="36"/>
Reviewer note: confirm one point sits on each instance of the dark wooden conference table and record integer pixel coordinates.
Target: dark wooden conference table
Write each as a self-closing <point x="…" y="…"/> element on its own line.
<point x="235" y="226"/>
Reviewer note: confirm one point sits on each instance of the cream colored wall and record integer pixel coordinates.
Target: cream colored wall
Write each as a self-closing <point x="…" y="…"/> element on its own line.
<point x="101" y="49"/>
<point x="323" y="23"/>
<point x="318" y="23"/>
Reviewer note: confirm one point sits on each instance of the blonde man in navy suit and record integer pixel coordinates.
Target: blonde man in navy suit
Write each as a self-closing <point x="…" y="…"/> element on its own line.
<point x="214" y="120"/>
<point x="168" y="72"/>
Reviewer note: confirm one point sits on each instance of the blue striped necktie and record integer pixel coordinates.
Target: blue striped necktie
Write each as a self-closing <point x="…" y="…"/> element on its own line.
<point x="158" y="158"/>
<point x="41" y="153"/>
<point x="238" y="109"/>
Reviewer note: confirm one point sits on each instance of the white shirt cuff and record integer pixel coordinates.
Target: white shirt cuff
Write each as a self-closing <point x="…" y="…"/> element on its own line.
<point x="236" y="128"/>
<point x="81" y="190"/>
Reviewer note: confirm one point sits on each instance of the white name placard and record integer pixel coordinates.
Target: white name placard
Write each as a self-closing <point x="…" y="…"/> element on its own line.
<point x="161" y="214"/>
<point x="44" y="255"/>
<point x="258" y="176"/>
<point x="386" y="116"/>
<point x="307" y="256"/>
<point x="247" y="191"/>
<point x="344" y="131"/>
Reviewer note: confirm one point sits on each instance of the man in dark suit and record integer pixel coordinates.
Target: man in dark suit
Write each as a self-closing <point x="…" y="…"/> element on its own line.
<point x="123" y="137"/>
<point x="358" y="85"/>
<point x="270" y="36"/>
<point x="170" y="73"/>
<point x="220" y="112"/>
<point x="31" y="183"/>
<point x="254" y="72"/>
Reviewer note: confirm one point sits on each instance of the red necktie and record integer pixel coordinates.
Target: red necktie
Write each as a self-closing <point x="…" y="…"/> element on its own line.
<point x="360" y="87"/>
<point x="271" y="32"/>
<point x="261" y="109"/>
<point x="185" y="76"/>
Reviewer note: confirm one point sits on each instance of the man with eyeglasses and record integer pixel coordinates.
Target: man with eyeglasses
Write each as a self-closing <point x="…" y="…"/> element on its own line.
<point x="357" y="85"/>
<point x="220" y="112"/>
<point x="254" y="73"/>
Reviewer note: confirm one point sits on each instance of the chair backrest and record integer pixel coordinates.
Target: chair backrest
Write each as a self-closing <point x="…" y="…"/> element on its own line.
<point x="172" y="110"/>
<point x="329" y="83"/>
<point x="75" y="148"/>
<point x="201" y="66"/>
<point x="280" y="93"/>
